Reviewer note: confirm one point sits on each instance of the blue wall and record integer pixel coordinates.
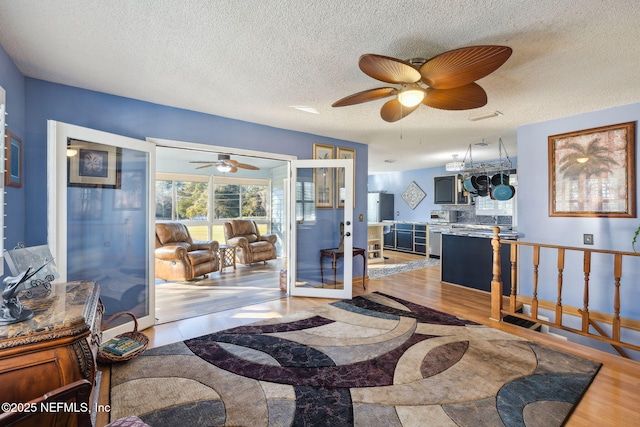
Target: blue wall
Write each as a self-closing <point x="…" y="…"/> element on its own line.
<point x="537" y="226"/>
<point x="533" y="207"/>
<point x="13" y="82"/>
<point x="397" y="182"/>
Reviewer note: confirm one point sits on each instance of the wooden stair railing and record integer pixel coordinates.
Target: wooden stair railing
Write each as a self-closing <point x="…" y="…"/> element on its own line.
<point x="588" y="318"/>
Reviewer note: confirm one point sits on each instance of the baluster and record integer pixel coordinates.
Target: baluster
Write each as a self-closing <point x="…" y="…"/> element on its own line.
<point x="617" y="274"/>
<point x="534" y="300"/>
<point x="514" y="277"/>
<point x="560" y="270"/>
<point x="496" y="283"/>
<point x="585" y="309"/>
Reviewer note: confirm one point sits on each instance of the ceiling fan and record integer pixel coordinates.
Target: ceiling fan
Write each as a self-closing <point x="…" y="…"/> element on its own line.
<point x="225" y="164"/>
<point x="445" y="81"/>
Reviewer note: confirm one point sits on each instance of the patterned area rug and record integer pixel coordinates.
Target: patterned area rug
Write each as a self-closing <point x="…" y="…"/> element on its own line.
<point x="380" y="270"/>
<point x="372" y="361"/>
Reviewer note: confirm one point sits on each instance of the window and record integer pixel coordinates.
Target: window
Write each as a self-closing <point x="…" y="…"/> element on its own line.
<point x="204" y="203"/>
<point x="182" y="199"/>
<point x="240" y="201"/>
<point x="305" y="209"/>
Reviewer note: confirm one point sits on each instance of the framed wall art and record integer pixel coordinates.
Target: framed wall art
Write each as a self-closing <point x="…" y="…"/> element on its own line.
<point x="345" y="153"/>
<point x="323" y="177"/>
<point x="93" y="164"/>
<point x="413" y="195"/>
<point x="13" y="160"/>
<point x="592" y="172"/>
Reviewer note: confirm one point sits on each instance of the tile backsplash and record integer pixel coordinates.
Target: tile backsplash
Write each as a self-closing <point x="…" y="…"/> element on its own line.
<point x="467" y="215"/>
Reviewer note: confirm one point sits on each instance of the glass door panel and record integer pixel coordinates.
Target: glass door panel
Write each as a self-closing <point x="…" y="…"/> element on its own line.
<point x="322" y="242"/>
<point x="103" y="227"/>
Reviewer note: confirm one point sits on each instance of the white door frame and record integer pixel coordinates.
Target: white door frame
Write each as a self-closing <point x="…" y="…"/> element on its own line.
<point x="57" y="135"/>
<point x="347" y="291"/>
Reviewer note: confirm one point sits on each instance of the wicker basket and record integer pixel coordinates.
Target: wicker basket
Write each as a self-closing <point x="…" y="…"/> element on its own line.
<point x="107" y="357"/>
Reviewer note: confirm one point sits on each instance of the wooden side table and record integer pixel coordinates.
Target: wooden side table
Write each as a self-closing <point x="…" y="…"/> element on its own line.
<point x="227" y="255"/>
<point x="335" y="254"/>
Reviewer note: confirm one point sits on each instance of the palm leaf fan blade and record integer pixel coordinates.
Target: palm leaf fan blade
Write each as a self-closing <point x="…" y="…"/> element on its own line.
<point x="365" y="96"/>
<point x="393" y="110"/>
<point x="462" y="66"/>
<point x="460" y="98"/>
<point x="388" y="70"/>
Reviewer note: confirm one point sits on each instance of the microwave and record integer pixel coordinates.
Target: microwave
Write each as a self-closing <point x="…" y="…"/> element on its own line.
<point x="443" y="217"/>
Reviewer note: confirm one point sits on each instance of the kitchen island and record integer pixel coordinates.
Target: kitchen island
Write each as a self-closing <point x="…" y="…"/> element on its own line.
<point x="467" y="258"/>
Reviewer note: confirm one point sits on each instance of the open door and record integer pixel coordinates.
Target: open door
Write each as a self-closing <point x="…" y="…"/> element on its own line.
<point x="100" y="214"/>
<point x="321" y="255"/>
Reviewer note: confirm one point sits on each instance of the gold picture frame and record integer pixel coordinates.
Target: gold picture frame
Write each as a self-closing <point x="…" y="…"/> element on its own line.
<point x="93" y="164"/>
<point x="345" y="153"/>
<point x="592" y="172"/>
<point x="323" y="178"/>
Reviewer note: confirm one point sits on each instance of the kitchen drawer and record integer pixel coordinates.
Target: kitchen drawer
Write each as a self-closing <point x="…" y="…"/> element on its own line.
<point x="404" y="227"/>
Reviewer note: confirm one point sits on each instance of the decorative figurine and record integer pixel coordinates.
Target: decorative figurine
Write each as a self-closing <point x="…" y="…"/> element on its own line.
<point x="11" y="310"/>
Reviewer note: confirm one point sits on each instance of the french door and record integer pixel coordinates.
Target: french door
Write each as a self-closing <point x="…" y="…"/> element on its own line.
<point x="321" y="260"/>
<point x="100" y="213"/>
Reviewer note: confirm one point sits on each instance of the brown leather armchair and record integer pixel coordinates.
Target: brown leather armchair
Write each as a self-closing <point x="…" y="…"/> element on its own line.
<point x="250" y="245"/>
<point x="179" y="257"/>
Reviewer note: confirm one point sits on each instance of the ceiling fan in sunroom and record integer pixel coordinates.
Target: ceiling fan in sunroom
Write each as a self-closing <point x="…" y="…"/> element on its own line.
<point x="446" y="81"/>
<point x="225" y="164"/>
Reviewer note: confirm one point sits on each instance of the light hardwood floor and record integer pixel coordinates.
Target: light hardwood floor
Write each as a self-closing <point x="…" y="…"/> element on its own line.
<point x="612" y="400"/>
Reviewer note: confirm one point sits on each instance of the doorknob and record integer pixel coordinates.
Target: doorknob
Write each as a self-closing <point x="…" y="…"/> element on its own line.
<point x="348" y="222"/>
<point x="347" y="234"/>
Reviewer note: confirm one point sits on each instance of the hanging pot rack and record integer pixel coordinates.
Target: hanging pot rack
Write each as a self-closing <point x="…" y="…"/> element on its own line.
<point x="503" y="164"/>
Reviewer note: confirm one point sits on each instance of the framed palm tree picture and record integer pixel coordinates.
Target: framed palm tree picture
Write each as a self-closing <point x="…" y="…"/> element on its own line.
<point x="592" y="172"/>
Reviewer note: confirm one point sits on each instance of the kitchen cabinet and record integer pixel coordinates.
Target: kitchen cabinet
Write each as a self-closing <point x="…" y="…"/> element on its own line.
<point x="404" y="237"/>
<point x="448" y="190"/>
<point x="420" y="243"/>
<point x="444" y="190"/>
<point x="407" y="237"/>
<point x="468" y="261"/>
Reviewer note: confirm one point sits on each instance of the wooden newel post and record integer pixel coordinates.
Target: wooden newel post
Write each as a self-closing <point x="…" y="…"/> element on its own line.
<point x="496" y="283"/>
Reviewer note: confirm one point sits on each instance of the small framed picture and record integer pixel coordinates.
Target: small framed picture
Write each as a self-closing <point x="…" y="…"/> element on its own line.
<point x="323" y="177"/>
<point x="93" y="164"/>
<point x="13" y="160"/>
<point x="345" y="153"/>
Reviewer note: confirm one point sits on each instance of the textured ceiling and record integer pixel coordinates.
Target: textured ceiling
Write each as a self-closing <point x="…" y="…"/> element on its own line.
<point x="253" y="60"/>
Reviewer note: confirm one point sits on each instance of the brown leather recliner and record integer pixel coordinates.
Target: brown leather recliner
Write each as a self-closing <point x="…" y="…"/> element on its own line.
<point x="179" y="257"/>
<point x="250" y="245"/>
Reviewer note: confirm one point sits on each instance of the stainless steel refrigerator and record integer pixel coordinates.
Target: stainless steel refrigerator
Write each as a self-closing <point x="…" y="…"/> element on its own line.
<point x="379" y="207"/>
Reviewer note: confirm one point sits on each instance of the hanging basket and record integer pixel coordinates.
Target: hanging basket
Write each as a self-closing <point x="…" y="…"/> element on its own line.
<point x="105" y="356"/>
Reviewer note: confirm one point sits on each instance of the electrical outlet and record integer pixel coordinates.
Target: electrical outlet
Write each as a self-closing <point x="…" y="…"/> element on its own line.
<point x="587" y="239"/>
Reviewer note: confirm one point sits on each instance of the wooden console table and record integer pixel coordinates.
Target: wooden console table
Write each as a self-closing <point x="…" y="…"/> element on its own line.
<point x="335" y="254"/>
<point x="56" y="347"/>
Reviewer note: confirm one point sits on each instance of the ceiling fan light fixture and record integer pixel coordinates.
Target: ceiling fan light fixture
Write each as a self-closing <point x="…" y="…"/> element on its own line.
<point x="224" y="167"/>
<point x="410" y="96"/>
